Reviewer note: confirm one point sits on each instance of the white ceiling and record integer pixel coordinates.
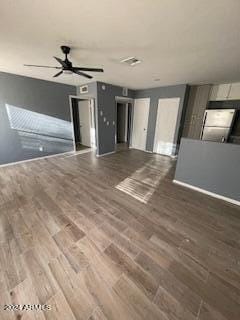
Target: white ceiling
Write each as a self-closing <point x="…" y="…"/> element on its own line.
<point x="178" y="41"/>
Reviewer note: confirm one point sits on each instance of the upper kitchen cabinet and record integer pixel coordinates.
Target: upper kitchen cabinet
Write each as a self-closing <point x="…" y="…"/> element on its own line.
<point x="234" y="93"/>
<point x="227" y="91"/>
<point x="220" y="92"/>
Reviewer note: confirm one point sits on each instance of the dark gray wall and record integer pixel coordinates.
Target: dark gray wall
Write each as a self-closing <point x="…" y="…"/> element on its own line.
<point x="105" y="100"/>
<point x="28" y="94"/>
<point x="163" y="92"/>
<point x="107" y="104"/>
<point x="211" y="166"/>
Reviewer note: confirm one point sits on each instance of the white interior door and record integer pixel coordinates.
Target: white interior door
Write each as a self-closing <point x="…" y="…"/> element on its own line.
<point x="140" y="123"/>
<point x="85" y="122"/>
<point x="166" y="126"/>
<point x="92" y="125"/>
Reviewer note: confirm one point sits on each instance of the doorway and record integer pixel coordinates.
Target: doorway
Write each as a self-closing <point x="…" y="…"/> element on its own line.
<point x="123" y="124"/>
<point x="83" y="120"/>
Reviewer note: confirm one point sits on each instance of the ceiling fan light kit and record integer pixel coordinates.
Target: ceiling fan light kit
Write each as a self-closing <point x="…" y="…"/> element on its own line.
<point x="67" y="67"/>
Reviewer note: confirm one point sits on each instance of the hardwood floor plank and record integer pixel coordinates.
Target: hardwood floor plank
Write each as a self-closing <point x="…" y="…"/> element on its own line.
<point x="98" y="315"/>
<point x="120" y="240"/>
<point x="111" y="304"/>
<point x="4" y="298"/>
<point x="208" y="313"/>
<point x="170" y="306"/>
<point x="6" y="232"/>
<point x="81" y="303"/>
<point x="40" y="276"/>
<point x="130" y="293"/>
<point x="24" y="294"/>
<point x="100" y="261"/>
<point x="141" y="278"/>
<point x="165" y="279"/>
<point x="180" y="261"/>
<point x="60" y="309"/>
<point x="99" y="238"/>
<point x="11" y="264"/>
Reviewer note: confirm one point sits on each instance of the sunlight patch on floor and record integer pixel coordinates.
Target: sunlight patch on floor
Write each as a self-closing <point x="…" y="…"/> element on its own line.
<point x="143" y="182"/>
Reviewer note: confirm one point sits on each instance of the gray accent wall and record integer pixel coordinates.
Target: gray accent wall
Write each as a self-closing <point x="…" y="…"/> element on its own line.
<point x="158" y="93"/>
<point x="34" y="118"/>
<point x="105" y="103"/>
<point x="212" y="166"/>
<point x="107" y="94"/>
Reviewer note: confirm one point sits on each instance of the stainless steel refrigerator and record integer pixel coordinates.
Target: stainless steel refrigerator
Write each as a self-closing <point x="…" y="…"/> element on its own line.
<point x="217" y="124"/>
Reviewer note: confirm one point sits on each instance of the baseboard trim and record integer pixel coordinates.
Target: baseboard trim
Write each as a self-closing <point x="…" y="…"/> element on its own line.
<point x="105" y="154"/>
<point x="34" y="159"/>
<point x="77" y="153"/>
<point x="212" y="194"/>
<point x="130" y="147"/>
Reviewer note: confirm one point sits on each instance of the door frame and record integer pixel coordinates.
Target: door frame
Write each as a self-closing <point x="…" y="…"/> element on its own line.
<point x="93" y="105"/>
<point x="127" y="101"/>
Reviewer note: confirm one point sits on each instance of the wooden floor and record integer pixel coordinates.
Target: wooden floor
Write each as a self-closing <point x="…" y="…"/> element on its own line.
<point x="113" y="238"/>
<point x="80" y="147"/>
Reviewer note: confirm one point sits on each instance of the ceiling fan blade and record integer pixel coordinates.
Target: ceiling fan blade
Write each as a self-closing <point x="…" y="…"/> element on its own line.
<point x="57" y="74"/>
<point x="35" y="65"/>
<point x="82" y="74"/>
<point x="89" y="69"/>
<point x="63" y="63"/>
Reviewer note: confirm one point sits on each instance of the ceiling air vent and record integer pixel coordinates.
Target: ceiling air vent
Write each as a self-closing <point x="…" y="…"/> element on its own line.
<point x="84" y="89"/>
<point x="125" y="92"/>
<point x="131" y="61"/>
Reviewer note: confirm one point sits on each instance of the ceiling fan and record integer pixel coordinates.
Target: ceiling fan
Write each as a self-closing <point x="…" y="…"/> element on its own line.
<point x="67" y="67"/>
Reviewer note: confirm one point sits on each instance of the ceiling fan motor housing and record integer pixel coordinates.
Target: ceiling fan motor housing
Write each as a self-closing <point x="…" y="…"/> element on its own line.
<point x="65" y="49"/>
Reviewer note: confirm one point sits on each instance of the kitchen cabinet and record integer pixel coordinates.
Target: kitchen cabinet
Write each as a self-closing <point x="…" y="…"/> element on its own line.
<point x="226" y="91"/>
<point x="234" y="93"/>
<point x="220" y="92"/>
